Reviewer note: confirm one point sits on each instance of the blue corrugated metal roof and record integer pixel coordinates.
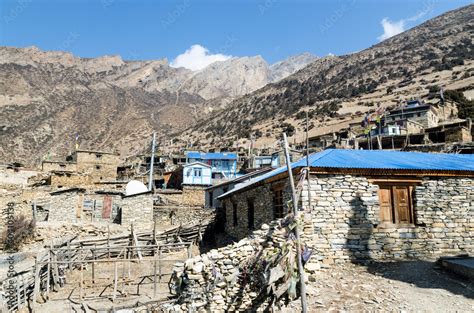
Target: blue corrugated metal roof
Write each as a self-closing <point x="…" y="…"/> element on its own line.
<point x="374" y="159"/>
<point x="211" y="155"/>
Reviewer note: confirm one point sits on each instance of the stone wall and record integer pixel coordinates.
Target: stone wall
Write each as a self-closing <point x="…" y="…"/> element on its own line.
<point x="65" y="207"/>
<point x="343" y="222"/>
<point x="138" y="209"/>
<point x="262" y="198"/>
<point x="50" y="166"/>
<point x="193" y="195"/>
<point x="224" y="280"/>
<point x="70" y="180"/>
<point x="170" y="197"/>
<point x="101" y="166"/>
<point x="166" y="215"/>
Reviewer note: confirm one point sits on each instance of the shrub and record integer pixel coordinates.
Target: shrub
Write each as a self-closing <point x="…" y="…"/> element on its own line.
<point x="21" y="230"/>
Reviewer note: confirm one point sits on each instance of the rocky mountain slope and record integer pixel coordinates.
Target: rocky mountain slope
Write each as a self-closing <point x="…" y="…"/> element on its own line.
<point x="46" y="98"/>
<point x="336" y="90"/>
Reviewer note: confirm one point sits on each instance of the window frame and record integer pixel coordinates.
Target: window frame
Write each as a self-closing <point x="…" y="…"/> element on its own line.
<point x="391" y="185"/>
<point x="278" y="207"/>
<point x="251" y="213"/>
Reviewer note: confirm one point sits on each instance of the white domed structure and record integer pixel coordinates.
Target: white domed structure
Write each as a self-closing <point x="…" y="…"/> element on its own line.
<point x="134" y="187"/>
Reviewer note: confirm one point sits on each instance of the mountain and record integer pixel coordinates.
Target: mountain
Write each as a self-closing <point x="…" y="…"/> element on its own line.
<point x="336" y="90"/>
<point x="47" y="97"/>
<point x="285" y="68"/>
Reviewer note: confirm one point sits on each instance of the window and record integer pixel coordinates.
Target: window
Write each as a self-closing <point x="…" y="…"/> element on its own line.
<point x="396" y="204"/>
<point x="98" y="156"/>
<point x="234" y="213"/>
<point x="278" y="203"/>
<point x="197" y="172"/>
<point x="250" y="213"/>
<point x="97" y="167"/>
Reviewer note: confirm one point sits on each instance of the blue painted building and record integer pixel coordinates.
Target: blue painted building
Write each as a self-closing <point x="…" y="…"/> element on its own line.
<point x="197" y="173"/>
<point x="223" y="164"/>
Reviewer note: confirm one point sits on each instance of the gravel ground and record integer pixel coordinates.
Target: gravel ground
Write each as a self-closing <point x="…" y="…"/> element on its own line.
<point x="412" y="286"/>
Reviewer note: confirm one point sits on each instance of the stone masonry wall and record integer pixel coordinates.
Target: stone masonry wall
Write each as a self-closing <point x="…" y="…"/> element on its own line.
<point x="218" y="281"/>
<point x="194" y="196"/>
<point x="345" y="220"/>
<point x="65" y="207"/>
<point x="138" y="209"/>
<point x="262" y="198"/>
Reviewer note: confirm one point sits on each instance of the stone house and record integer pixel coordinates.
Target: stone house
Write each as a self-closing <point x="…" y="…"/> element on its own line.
<point x="213" y="192"/>
<point x="62" y="166"/>
<point x="100" y="165"/>
<point x="66" y="205"/>
<point x="360" y="204"/>
<point x="138" y="209"/>
<point x="425" y="114"/>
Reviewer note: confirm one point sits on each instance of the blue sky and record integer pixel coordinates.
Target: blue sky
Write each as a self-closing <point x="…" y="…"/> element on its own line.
<point x="274" y="29"/>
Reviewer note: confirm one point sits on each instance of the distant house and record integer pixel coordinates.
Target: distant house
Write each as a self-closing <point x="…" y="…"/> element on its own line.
<point x="98" y="164"/>
<point x="197" y="173"/>
<point x="361" y="204"/>
<point x="278" y="157"/>
<point x="260" y="161"/>
<point x="424" y="114"/>
<point x="223" y="164"/>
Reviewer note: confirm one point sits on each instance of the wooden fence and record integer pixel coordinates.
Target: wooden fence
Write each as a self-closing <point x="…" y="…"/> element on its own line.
<point x="25" y="287"/>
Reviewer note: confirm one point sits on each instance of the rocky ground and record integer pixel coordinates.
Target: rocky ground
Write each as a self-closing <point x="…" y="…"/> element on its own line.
<point x="412" y="286"/>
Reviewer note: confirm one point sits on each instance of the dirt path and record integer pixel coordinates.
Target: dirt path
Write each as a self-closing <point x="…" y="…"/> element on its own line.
<point x="415" y="286"/>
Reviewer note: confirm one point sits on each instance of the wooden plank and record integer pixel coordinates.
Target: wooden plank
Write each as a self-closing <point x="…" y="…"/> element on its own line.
<point x="386" y="206"/>
<point x="36" y="288"/>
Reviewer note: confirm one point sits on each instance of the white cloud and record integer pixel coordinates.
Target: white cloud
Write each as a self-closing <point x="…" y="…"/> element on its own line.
<point x="197" y="57"/>
<point x="391" y="28"/>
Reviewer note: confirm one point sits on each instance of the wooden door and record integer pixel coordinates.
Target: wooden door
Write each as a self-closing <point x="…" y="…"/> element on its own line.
<point x="401" y="195"/>
<point x="107" y="207"/>
<point x="386" y="207"/>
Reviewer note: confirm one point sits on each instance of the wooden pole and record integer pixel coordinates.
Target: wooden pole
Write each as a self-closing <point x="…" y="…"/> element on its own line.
<point x="307" y="162"/>
<point x="93" y="266"/>
<point x="68" y="244"/>
<point x="304" y="306"/>
<point x="18" y="298"/>
<point x="159" y="263"/>
<point x="115" y="281"/>
<point x="48" y="275"/>
<point x="24" y="289"/>
<point x="37" y="284"/>
<point x="154" y="276"/>
<point x="108" y="240"/>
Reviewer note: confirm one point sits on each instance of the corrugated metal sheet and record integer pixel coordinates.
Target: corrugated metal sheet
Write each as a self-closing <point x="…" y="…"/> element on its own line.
<point x="374" y="159"/>
<point x="211" y="155"/>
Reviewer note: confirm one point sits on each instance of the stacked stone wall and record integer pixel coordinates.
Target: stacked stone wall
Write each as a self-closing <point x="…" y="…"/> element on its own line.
<point x="166" y="215"/>
<point x="138" y="209"/>
<point x="218" y="281"/>
<point x="343" y="222"/>
<point x="346" y="225"/>
<point x="194" y="196"/>
<point x="65" y="207"/>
